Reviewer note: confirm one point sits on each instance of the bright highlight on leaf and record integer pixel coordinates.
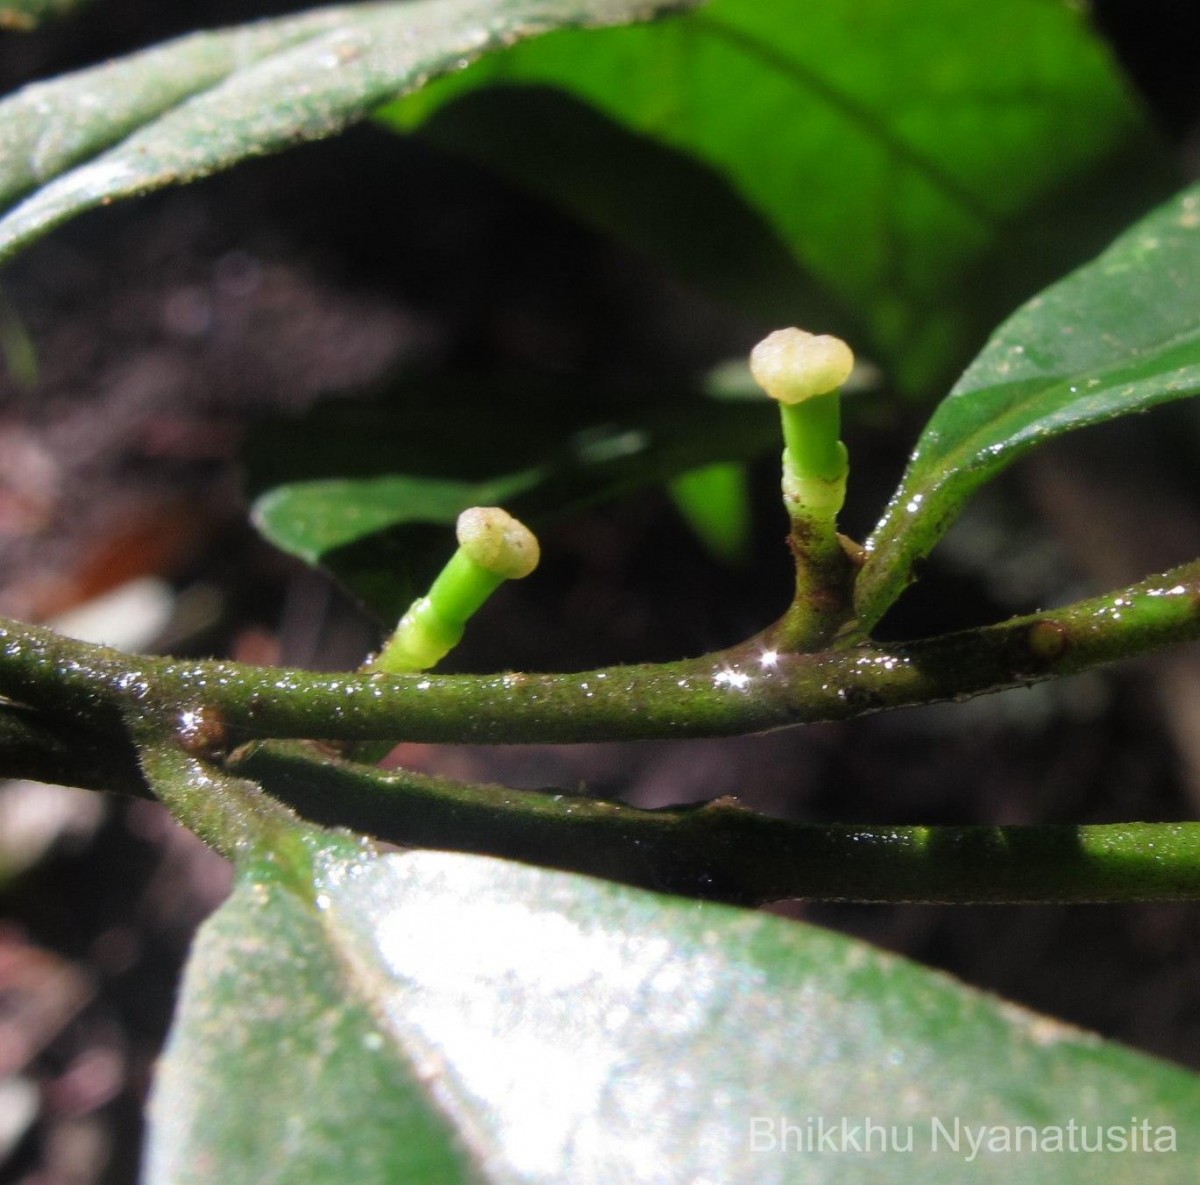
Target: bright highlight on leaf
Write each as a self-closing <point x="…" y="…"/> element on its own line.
<point x="541" y="1010"/>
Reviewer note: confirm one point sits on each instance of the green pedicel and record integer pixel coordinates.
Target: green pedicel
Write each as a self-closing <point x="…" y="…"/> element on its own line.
<point x="804" y="373"/>
<point x="492" y="547"/>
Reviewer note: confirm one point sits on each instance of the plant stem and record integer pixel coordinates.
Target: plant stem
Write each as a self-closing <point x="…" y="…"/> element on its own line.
<point x="722" y="851"/>
<point x="428" y="631"/>
<point x="230" y="813"/>
<point x="804" y="373"/>
<point x="812" y="438"/>
<point x="718" y="851"/>
<point x="493" y="547"/>
<point x="45" y="750"/>
<point x="751" y="687"/>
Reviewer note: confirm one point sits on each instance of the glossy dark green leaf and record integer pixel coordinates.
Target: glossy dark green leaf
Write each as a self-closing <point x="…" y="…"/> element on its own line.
<point x="190" y="107"/>
<point x="414" y="1017"/>
<point x="1119" y="335"/>
<point x="901" y="173"/>
<point x="371" y="491"/>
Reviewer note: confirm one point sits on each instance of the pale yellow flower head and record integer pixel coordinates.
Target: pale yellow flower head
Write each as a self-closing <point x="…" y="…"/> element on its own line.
<point x="497" y="542"/>
<point x="792" y="366"/>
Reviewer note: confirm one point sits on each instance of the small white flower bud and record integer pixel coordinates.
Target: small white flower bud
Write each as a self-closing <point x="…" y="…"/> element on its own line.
<point x="497" y="542"/>
<point x="792" y="366"/>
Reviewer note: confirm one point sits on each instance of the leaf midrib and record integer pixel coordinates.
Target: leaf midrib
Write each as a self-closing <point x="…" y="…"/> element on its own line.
<point x="805" y="78"/>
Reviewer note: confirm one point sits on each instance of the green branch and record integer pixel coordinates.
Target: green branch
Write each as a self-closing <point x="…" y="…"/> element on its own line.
<point x="718" y="851"/>
<point x="230" y="813"/>
<point x="755" y="686"/>
<point x="722" y="851"/>
<point x="44" y="750"/>
<point x="804" y="373"/>
<point x="492" y="547"/>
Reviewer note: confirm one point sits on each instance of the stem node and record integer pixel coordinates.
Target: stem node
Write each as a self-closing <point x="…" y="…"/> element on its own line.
<point x="803" y="373"/>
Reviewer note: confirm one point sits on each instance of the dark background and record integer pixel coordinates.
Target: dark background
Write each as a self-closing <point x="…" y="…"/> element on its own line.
<point x="165" y="328"/>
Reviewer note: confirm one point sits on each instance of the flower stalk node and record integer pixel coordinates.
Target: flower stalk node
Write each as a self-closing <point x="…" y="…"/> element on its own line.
<point x="803" y="372"/>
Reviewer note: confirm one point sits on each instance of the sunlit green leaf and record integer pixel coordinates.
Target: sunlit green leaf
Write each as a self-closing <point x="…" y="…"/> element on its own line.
<point x="422" y="1016"/>
<point x="901" y="173"/>
<point x="1119" y="335"/>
